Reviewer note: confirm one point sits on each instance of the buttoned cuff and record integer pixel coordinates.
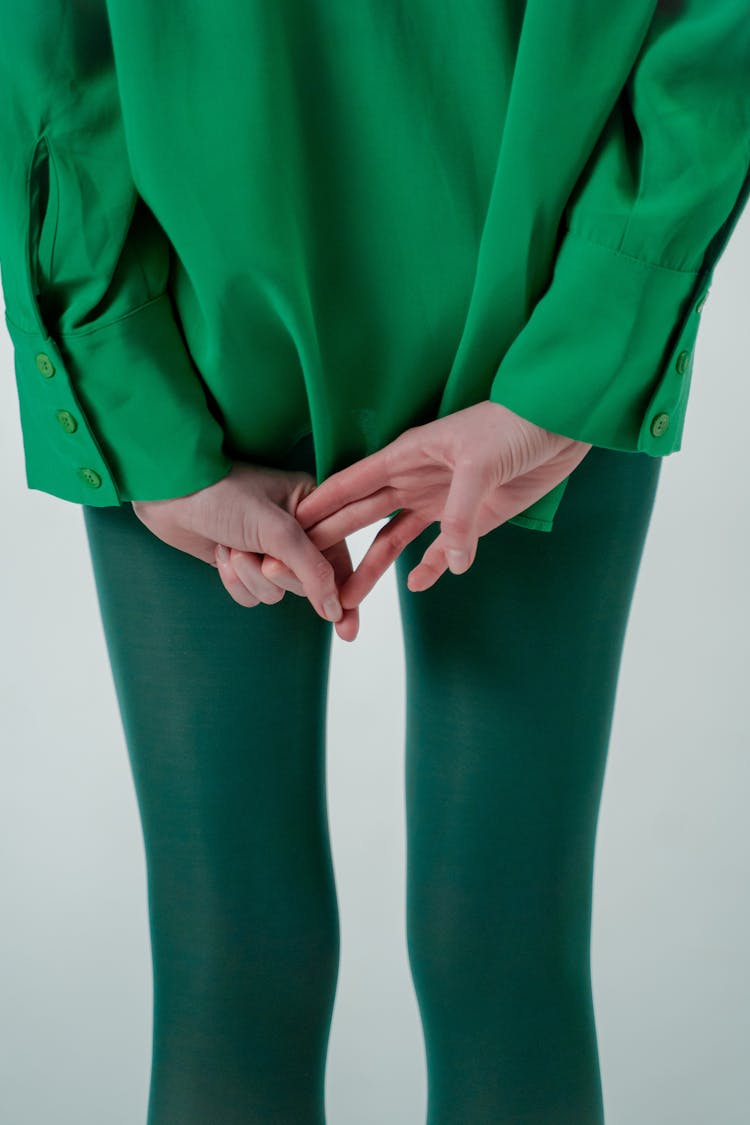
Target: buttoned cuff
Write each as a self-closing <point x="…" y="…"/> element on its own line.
<point x="606" y="356"/>
<point x="116" y="413"/>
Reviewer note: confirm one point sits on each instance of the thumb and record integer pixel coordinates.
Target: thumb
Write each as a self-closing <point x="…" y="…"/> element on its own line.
<point x="458" y="524"/>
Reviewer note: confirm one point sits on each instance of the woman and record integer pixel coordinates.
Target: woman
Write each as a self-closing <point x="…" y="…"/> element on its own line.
<point x="273" y="272"/>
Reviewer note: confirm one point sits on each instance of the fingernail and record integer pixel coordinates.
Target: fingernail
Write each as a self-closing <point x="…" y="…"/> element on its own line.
<point x="457" y="560"/>
<point x="222" y="553"/>
<point x="332" y="608"/>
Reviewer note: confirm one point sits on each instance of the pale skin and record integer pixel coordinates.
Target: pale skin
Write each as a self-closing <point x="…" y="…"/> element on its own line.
<point x="268" y="531"/>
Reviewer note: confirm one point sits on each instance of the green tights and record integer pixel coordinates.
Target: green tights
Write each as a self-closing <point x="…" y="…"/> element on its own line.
<point x="511" y="672"/>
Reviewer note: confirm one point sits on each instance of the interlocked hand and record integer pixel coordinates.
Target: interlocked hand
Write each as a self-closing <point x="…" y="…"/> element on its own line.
<point x="469" y="471"/>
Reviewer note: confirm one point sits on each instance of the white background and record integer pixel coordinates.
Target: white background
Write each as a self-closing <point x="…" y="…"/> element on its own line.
<point x="671" y="936"/>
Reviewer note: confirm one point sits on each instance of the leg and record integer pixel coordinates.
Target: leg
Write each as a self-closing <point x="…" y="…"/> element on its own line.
<point x="511" y="678"/>
<point x="223" y="709"/>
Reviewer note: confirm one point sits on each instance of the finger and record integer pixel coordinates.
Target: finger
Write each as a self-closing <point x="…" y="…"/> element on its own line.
<point x="338" y="555"/>
<point x="247" y="566"/>
<point x="458" y="524"/>
<point x="283" y="538"/>
<point x="352" y="517"/>
<point x="430" y="567"/>
<point x="233" y="584"/>
<point x="507" y="501"/>
<point x="434" y="562"/>
<point x="355" y="482"/>
<point x="276" y="571"/>
<point x="347" y="626"/>
<point x="384" y="549"/>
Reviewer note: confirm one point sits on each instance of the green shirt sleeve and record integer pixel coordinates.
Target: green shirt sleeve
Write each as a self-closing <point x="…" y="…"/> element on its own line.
<point x="112" y="406"/>
<point x="606" y="355"/>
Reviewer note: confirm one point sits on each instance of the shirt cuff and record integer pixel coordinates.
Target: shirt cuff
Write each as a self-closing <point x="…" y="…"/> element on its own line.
<point x="116" y="413"/>
<point x="606" y="356"/>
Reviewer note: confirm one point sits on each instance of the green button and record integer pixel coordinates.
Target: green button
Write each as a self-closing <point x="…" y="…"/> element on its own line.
<point x="701" y="303"/>
<point x="67" y="421"/>
<point x="683" y="359"/>
<point x="45" y="365"/>
<point x="91" y="477"/>
<point x="659" y="424"/>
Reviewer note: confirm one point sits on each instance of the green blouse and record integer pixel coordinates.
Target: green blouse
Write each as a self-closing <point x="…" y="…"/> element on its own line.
<point x="226" y="225"/>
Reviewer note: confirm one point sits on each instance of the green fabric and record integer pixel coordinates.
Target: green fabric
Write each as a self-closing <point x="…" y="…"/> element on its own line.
<point x="232" y="224"/>
<point x="511" y="673"/>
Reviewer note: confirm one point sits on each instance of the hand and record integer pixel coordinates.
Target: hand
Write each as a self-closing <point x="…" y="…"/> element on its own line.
<point x="471" y="471"/>
<point x="251" y="511"/>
